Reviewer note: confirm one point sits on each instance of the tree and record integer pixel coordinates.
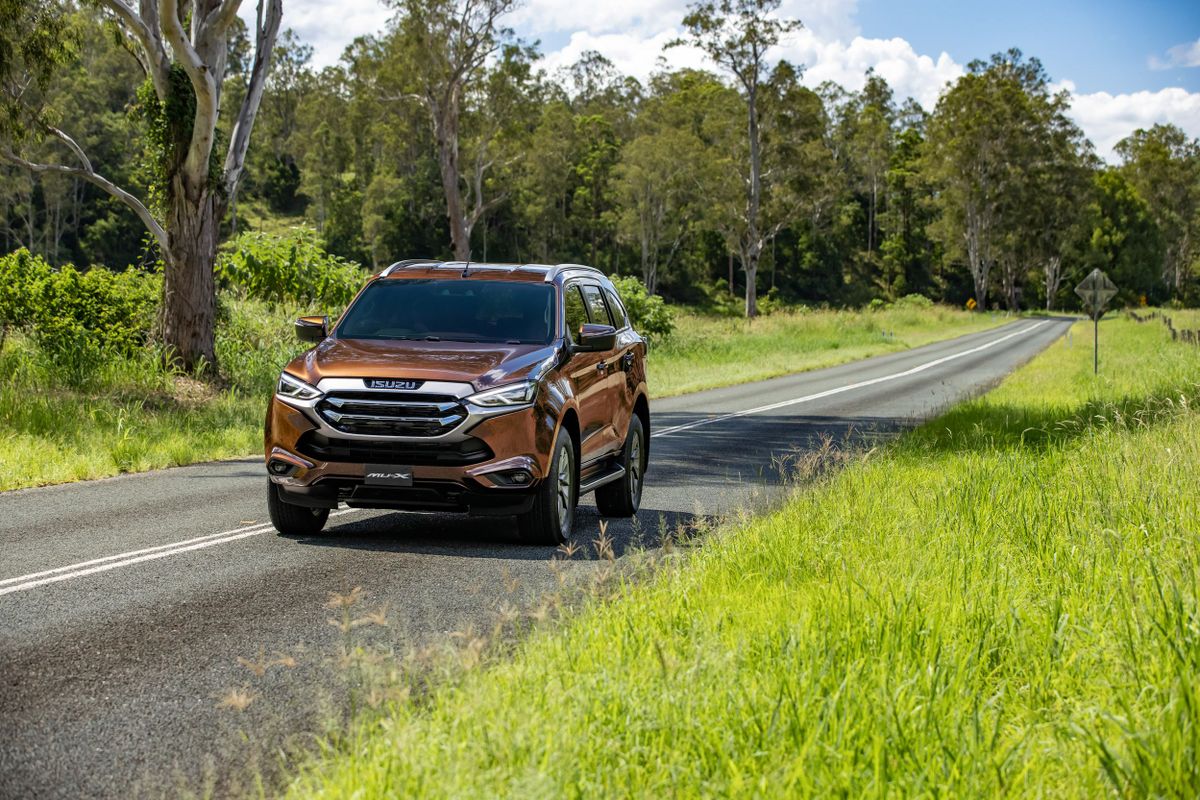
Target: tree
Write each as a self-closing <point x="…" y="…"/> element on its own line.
<point x="445" y="46"/>
<point x="185" y="71"/>
<point x="984" y="135"/>
<point x="736" y="35"/>
<point x="1164" y="166"/>
<point x="1125" y="241"/>
<point x="872" y="144"/>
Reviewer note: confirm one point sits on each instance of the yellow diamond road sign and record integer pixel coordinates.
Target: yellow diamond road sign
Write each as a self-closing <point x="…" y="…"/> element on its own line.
<point x="1096" y="290"/>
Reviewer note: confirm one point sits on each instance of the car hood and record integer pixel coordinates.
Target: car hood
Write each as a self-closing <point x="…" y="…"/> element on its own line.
<point x="481" y="365"/>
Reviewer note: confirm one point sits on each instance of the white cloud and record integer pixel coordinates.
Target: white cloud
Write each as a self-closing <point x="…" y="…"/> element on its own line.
<point x="1181" y="55"/>
<point x="1108" y="118"/>
<point x="908" y="73"/>
<point x="328" y="27"/>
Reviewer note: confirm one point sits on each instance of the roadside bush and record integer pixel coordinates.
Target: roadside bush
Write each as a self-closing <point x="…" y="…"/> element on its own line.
<point x="649" y="314"/>
<point x="913" y="301"/>
<point x="78" y="319"/>
<point x="719" y="301"/>
<point x="292" y="269"/>
<point x="21" y="277"/>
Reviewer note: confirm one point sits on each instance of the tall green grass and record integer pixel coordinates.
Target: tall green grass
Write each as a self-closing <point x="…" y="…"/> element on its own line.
<point x="1002" y="604"/>
<point x="707" y="351"/>
<point x="132" y="415"/>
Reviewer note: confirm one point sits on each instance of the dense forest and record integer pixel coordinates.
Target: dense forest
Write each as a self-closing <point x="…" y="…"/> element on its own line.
<point x="435" y="139"/>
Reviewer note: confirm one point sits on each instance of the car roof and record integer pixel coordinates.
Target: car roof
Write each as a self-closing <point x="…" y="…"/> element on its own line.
<point x="480" y="270"/>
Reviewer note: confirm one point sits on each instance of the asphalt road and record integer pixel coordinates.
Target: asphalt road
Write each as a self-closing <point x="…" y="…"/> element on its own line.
<point x="125" y="604"/>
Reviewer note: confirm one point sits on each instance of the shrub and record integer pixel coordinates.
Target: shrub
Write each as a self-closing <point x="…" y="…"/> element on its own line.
<point x="77" y="318"/>
<point x="292" y="269"/>
<point x="718" y="300"/>
<point x="648" y="313"/>
<point x="21" y="277"/>
<point x="913" y="301"/>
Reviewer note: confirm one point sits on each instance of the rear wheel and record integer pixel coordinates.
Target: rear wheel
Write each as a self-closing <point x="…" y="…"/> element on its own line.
<point x="293" y="520"/>
<point x="621" y="498"/>
<point x="553" y="513"/>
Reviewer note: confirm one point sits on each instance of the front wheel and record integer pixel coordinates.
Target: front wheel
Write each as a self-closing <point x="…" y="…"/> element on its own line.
<point x="293" y="520"/>
<point x="553" y="514"/>
<point x="621" y="498"/>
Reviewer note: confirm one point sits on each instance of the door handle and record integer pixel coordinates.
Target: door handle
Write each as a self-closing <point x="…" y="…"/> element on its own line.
<point x="627" y="359"/>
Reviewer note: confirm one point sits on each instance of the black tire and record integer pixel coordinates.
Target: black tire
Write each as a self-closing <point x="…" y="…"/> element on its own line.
<point x="293" y="520"/>
<point x="621" y="498"/>
<point x="552" y="517"/>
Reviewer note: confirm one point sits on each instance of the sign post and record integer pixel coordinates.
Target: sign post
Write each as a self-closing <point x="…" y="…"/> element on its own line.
<point x="1096" y="290"/>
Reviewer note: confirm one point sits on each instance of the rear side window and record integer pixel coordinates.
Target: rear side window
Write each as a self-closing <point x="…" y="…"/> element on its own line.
<point x="618" y="310"/>
<point x="574" y="310"/>
<point x="597" y="310"/>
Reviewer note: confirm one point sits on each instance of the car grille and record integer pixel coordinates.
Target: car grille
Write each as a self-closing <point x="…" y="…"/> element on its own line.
<point x="469" y="450"/>
<point x="392" y="413"/>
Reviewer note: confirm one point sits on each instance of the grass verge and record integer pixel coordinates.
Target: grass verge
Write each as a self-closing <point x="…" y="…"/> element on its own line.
<point x="706" y="352"/>
<point x="131" y="417"/>
<point x="1002" y="603"/>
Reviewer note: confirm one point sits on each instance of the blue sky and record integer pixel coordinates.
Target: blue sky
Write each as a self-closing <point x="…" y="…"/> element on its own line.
<point x="1126" y="64"/>
<point x="1101" y="45"/>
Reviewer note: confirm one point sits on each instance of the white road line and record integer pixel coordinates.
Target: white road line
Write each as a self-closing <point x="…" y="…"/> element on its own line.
<point x="848" y="387"/>
<point x="83" y="568"/>
<point x="35" y="579"/>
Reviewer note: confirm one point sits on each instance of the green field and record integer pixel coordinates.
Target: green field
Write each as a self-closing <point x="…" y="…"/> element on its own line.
<point x="1003" y="603"/>
<point x="132" y="417"/>
<point x="706" y="352"/>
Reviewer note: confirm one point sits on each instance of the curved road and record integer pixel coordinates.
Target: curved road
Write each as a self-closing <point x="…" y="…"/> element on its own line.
<point x="126" y="604"/>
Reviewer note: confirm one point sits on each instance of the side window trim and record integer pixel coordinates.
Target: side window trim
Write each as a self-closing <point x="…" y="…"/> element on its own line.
<point x="599" y="293"/>
<point x="615" y="305"/>
<point x="573" y="286"/>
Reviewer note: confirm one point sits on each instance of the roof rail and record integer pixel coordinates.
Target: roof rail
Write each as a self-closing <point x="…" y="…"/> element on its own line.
<point x="558" y="269"/>
<point x="408" y="262"/>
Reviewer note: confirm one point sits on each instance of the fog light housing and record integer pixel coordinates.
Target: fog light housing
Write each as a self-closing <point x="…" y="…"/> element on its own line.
<point x="278" y="466"/>
<point x="511" y="477"/>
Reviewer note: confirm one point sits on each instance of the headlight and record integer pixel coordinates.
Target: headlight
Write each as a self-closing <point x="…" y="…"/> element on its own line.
<point x="516" y="394"/>
<point x="295" y="388"/>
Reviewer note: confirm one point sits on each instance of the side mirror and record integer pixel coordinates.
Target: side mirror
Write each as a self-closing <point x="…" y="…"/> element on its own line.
<point x="312" y="329"/>
<point x="596" y="338"/>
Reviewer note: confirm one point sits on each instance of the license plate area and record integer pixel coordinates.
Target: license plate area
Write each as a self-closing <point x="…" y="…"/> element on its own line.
<point x="387" y="475"/>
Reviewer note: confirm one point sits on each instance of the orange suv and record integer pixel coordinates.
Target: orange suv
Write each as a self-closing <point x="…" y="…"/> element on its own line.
<point x="491" y="389"/>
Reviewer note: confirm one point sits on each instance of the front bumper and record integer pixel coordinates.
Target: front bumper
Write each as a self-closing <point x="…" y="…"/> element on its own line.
<point x="467" y="474"/>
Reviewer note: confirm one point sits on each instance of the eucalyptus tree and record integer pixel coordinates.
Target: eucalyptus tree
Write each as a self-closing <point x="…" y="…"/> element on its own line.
<point x="871" y="142"/>
<point x="440" y="51"/>
<point x="738" y="35"/>
<point x="183" y="50"/>
<point x="674" y="169"/>
<point x="982" y="137"/>
<point x="1163" y="164"/>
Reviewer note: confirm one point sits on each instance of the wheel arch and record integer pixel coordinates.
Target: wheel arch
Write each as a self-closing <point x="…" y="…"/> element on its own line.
<point x="641" y="407"/>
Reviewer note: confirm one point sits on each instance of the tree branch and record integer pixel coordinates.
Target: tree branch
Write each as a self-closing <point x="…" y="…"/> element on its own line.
<point x="205" y="86"/>
<point x="146" y="32"/>
<point x="267" y="29"/>
<point x="90" y="175"/>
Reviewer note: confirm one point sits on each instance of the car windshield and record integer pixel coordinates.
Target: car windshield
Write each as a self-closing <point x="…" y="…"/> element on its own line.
<point x="453" y="311"/>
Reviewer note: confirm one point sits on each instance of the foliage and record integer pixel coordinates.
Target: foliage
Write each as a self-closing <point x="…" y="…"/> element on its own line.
<point x="649" y="315"/>
<point x="78" y="319"/>
<point x="290" y="269"/>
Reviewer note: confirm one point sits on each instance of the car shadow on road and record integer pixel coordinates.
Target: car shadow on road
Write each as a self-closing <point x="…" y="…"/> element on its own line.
<point x="697" y="478"/>
<point x="461" y="536"/>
